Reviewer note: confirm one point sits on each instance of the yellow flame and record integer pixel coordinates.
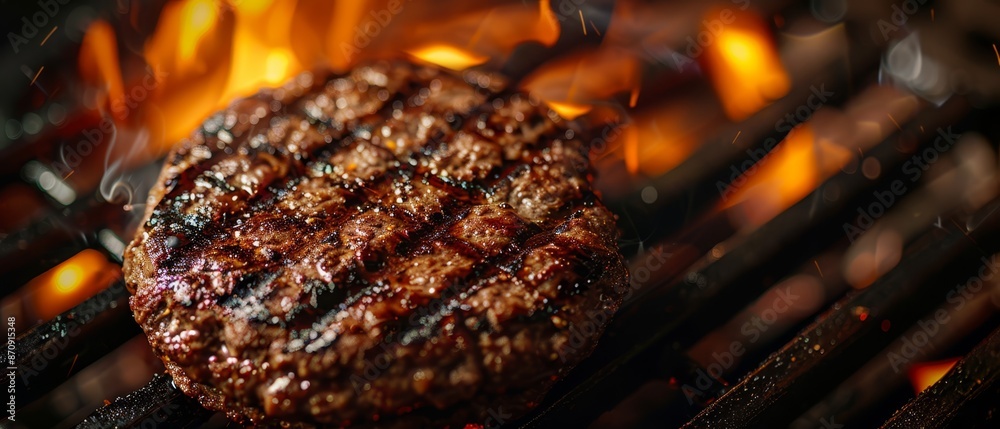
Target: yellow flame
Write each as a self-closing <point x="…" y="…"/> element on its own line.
<point x="568" y="110"/>
<point x="251" y="6"/>
<point x="745" y="68"/>
<point x="261" y="53"/>
<point x="448" y="56"/>
<point x="277" y="65"/>
<point x="197" y="17"/>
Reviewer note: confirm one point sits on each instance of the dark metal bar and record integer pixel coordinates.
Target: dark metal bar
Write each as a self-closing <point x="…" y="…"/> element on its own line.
<point x="967" y="397"/>
<point x="29" y="252"/>
<point x="871" y="394"/>
<point x="159" y="404"/>
<point x="828" y="351"/>
<point x="50" y="353"/>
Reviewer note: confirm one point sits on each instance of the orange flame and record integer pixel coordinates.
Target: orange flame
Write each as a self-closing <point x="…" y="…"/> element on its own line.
<point x="492" y="33"/>
<point x="572" y="85"/>
<point x="790" y="172"/>
<point x="206" y="53"/>
<point x="99" y="61"/>
<point x="659" y="138"/>
<point x="71" y="282"/>
<point x="924" y="375"/>
<point x="744" y="66"/>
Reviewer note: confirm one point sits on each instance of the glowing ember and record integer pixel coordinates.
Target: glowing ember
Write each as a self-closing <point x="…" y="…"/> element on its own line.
<point x="924" y="375"/>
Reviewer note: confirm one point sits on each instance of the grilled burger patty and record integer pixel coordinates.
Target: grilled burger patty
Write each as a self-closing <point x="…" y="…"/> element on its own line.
<point x="389" y="247"/>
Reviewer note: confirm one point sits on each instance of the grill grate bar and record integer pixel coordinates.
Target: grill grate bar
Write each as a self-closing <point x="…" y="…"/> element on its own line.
<point x="836" y="345"/>
<point x="159" y="404"/>
<point x="967" y="397"/>
<point x="61" y="347"/>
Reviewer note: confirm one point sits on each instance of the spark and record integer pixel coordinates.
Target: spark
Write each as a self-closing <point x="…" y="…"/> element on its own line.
<point x="894" y="121"/>
<point x="46" y="39"/>
<point x="819" y="269"/>
<point x="594" y="26"/>
<point x="997" y="53"/>
<point x="737" y="136"/>
<point x="75" y="357"/>
<point x="36" y="75"/>
<point x="582" y="24"/>
<point x="634" y="98"/>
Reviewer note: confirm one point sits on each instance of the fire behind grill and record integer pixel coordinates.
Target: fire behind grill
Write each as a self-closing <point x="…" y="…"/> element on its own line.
<point x="717" y="331"/>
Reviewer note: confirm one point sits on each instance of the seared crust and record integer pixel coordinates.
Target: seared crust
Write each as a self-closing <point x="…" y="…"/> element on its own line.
<point x="388" y="248"/>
